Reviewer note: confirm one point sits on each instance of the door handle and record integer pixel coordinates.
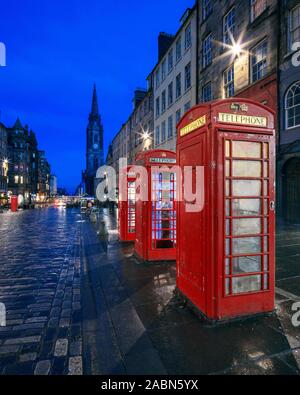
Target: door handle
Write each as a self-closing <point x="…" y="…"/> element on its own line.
<point x="272" y="205"/>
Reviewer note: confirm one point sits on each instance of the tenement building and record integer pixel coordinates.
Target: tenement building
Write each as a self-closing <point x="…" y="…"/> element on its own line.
<point x="174" y="78"/>
<point x="3" y="163"/>
<point x="44" y="175"/>
<point x="237" y="50"/>
<point x="288" y="184"/>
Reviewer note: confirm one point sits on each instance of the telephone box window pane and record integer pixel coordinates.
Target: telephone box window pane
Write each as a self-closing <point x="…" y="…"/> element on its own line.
<point x="227" y="267"/>
<point x="266" y="244"/>
<point x="266" y="282"/>
<point x="266" y="207"/>
<point x="227" y="188"/>
<point x="244" y="168"/>
<point x="266" y="263"/>
<point x="246" y="149"/>
<point x="266" y="225"/>
<point x="246" y="188"/>
<point x="227" y="208"/>
<point x="246" y="207"/>
<point x="266" y="169"/>
<point x="228" y="168"/>
<point x="227" y="149"/>
<point x="246" y="284"/>
<point x="228" y="233"/>
<point x="266" y="151"/>
<point x="227" y="286"/>
<point x="247" y="245"/>
<point x="246" y="264"/>
<point x="227" y="247"/>
<point x="266" y="188"/>
<point x="247" y="226"/>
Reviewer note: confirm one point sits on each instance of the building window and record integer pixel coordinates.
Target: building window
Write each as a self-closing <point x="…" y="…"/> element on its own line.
<point x="207" y="93"/>
<point x="294" y="26"/>
<point x="206" y="8"/>
<point x="157" y="79"/>
<point x="164" y="70"/>
<point x="157" y="111"/>
<point x="178" y="49"/>
<point x="229" y="27"/>
<point x="207" y="51"/>
<point x="170" y="94"/>
<point x="187" y="106"/>
<point x="188" y="37"/>
<point x="163" y="131"/>
<point x="170" y="60"/>
<point x="229" y="82"/>
<point x="292" y="106"/>
<point x="163" y="101"/>
<point x="257" y="8"/>
<point x="178" y="116"/>
<point x="170" y="127"/>
<point x="187" y="77"/>
<point x="259" y="61"/>
<point x="178" y="86"/>
<point x="157" y="136"/>
<point x="16" y="179"/>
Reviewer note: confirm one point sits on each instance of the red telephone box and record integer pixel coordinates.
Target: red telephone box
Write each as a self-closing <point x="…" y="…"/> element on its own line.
<point x="127" y="209"/>
<point x="226" y="252"/>
<point x="14" y="204"/>
<point x="156" y="218"/>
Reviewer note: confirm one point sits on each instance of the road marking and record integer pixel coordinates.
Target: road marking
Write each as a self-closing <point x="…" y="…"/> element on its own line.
<point x="287" y="294"/>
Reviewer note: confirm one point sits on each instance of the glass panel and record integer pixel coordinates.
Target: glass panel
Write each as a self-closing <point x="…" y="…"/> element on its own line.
<point x="227" y="208"/>
<point x="246" y="264"/>
<point x="228" y="168"/>
<point x="246" y="149"/>
<point x="266" y="169"/>
<point x="228" y="227"/>
<point x="266" y="244"/>
<point x="266" y="263"/>
<point x="266" y="150"/>
<point x="266" y="207"/>
<point x="227" y="149"/>
<point x="247" y="226"/>
<point x="246" y="207"/>
<point x="246" y="168"/>
<point x="266" y="225"/>
<point x="227" y="262"/>
<point x="246" y="188"/>
<point x="227" y="247"/>
<point x="246" y="284"/>
<point x="227" y="188"/>
<point x="227" y="286"/>
<point x="246" y="245"/>
<point x="266" y="282"/>
<point x="266" y="188"/>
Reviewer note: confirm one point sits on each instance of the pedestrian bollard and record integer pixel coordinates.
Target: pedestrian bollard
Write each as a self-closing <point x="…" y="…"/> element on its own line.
<point x="2" y="315"/>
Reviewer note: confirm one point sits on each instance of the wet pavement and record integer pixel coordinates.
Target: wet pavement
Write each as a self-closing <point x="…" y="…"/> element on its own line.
<point x="79" y="305"/>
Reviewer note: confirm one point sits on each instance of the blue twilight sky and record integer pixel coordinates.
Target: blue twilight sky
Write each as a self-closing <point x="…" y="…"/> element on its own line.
<point x="57" y="49"/>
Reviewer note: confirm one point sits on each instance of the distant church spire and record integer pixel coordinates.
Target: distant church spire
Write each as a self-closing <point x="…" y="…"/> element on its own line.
<point x="95" y="108"/>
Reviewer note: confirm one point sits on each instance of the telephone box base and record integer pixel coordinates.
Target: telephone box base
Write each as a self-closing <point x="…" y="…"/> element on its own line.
<point x="153" y="261"/>
<point x="182" y="299"/>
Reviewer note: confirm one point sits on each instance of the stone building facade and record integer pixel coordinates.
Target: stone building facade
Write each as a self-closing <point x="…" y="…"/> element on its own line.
<point x="44" y="176"/>
<point x="174" y="81"/>
<point x="288" y="171"/>
<point x="237" y="50"/>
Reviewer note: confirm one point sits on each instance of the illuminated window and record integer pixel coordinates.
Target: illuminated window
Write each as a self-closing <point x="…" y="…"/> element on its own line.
<point x="16" y="179"/>
<point x="292" y="106"/>
<point x="229" y="82"/>
<point x="187" y="76"/>
<point x="257" y="8"/>
<point x="259" y="63"/>
<point x="207" y="93"/>
<point x="294" y="26"/>
<point x="207" y="51"/>
<point x="206" y="8"/>
<point x="188" y="37"/>
<point x="229" y="26"/>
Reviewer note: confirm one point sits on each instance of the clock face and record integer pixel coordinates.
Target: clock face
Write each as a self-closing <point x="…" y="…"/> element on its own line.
<point x="95" y="146"/>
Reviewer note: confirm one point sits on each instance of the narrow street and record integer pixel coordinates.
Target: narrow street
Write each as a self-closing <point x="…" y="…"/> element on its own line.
<point x="77" y="305"/>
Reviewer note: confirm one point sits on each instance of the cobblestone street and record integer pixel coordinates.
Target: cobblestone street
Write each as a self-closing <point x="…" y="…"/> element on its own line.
<point x="79" y="305"/>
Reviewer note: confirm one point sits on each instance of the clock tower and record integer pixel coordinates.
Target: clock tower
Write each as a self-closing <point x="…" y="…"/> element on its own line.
<point x="94" y="146"/>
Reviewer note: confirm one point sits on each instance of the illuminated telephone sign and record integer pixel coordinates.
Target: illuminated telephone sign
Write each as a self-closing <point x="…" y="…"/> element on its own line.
<point x="127" y="208"/>
<point x="156" y="217"/>
<point x="226" y="251"/>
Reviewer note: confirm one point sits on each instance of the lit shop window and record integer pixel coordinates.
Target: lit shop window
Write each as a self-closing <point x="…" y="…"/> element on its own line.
<point x="292" y="106"/>
<point x="257" y="8"/>
<point x="259" y="62"/>
<point x="229" y="82"/>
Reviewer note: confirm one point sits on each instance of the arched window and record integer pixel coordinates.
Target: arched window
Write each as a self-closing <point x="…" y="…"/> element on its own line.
<point x="292" y="106"/>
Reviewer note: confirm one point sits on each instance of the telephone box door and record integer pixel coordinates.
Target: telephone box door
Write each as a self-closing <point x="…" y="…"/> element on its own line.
<point x="249" y="220"/>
